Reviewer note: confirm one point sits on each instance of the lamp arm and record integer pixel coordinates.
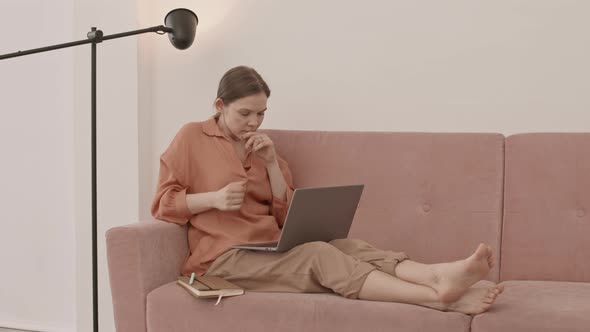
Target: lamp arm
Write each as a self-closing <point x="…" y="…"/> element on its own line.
<point x="93" y="37"/>
<point x="45" y="49"/>
<point x="157" y="29"/>
<point x="178" y="18"/>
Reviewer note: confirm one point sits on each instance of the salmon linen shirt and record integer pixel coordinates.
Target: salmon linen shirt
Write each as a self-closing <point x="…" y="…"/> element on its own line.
<point x="202" y="159"/>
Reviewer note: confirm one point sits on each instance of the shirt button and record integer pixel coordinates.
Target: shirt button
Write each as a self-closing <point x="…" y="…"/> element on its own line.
<point x="426" y="207"/>
<point x="580" y="213"/>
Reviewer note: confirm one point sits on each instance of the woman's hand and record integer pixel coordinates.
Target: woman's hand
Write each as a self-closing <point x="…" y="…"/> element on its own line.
<point x="262" y="145"/>
<point x="230" y="197"/>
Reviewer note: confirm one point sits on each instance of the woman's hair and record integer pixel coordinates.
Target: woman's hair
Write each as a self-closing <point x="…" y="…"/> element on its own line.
<point x="240" y="82"/>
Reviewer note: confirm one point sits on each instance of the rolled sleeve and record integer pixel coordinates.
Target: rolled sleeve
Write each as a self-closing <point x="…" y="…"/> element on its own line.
<point x="170" y="201"/>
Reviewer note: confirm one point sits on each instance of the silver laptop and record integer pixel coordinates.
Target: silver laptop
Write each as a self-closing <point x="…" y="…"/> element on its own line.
<point x="315" y="214"/>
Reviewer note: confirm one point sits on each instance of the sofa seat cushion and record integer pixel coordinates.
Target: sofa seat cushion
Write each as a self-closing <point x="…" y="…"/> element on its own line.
<point x="171" y="309"/>
<point x="538" y="306"/>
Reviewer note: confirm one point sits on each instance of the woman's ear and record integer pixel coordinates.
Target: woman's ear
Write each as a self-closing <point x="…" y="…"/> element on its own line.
<point x="219" y="105"/>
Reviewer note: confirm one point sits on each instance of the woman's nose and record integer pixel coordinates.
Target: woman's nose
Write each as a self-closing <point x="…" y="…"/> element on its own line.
<point x="253" y="121"/>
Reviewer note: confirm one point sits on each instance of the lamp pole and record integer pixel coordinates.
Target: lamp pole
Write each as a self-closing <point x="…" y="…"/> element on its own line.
<point x="94" y="32"/>
<point x="181" y="25"/>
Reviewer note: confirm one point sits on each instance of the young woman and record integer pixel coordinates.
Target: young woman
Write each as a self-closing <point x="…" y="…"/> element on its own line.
<point x="226" y="181"/>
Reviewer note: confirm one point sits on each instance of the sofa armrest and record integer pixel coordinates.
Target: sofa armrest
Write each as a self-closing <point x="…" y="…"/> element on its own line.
<point x="142" y="257"/>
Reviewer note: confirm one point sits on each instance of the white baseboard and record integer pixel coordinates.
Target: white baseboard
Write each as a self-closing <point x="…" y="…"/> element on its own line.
<point x="27" y="326"/>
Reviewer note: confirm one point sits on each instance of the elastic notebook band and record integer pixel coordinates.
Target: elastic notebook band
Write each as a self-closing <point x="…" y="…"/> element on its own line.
<point x="190" y="282"/>
<point x="218" y="299"/>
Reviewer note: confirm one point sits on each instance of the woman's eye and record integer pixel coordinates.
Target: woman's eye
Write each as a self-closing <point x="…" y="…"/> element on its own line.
<point x="244" y="114"/>
<point x="260" y="114"/>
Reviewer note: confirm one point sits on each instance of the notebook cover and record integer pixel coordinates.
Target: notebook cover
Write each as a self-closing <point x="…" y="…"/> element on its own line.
<point x="210" y="286"/>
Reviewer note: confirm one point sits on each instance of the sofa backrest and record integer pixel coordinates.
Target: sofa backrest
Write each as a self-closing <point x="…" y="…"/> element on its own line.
<point x="547" y="207"/>
<point x="435" y="196"/>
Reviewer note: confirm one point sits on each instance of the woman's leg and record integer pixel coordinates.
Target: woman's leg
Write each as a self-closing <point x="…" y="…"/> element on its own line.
<point x="449" y="280"/>
<point x="320" y="267"/>
<point x="384" y="260"/>
<point x="314" y="267"/>
<point x="380" y="286"/>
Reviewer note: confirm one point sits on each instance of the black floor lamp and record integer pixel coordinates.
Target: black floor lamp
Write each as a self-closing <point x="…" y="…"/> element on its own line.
<point x="181" y="26"/>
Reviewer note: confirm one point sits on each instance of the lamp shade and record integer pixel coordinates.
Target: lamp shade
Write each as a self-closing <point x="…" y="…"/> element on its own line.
<point x="183" y="23"/>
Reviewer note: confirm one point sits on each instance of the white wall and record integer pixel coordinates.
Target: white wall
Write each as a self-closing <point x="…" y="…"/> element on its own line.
<point x="37" y="238"/>
<point x="501" y="66"/>
<point x="45" y="138"/>
<point x="437" y="66"/>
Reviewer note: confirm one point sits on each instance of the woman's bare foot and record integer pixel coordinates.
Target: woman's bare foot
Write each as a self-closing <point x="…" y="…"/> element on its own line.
<point x="476" y="300"/>
<point x="452" y="280"/>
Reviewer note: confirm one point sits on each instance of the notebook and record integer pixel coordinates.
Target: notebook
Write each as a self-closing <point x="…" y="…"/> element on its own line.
<point x="210" y="287"/>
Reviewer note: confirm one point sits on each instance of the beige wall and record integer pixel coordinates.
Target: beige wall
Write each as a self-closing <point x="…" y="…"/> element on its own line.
<point x="439" y="66"/>
<point x="436" y="66"/>
<point x="37" y="238"/>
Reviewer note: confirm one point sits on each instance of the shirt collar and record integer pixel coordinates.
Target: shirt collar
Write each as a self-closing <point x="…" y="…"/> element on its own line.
<point x="211" y="128"/>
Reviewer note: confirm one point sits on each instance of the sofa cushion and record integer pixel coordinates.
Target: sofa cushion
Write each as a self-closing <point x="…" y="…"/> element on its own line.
<point x="547" y="207"/>
<point x="434" y="196"/>
<point x="171" y="309"/>
<point x="538" y="306"/>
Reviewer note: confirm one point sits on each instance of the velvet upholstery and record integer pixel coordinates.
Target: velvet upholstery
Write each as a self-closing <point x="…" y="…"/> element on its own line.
<point x="434" y="196"/>
<point x="539" y="306"/>
<point x="170" y="308"/>
<point x="547" y="207"/>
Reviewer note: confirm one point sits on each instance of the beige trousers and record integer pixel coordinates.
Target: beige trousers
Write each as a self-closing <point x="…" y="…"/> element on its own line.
<point x="340" y="266"/>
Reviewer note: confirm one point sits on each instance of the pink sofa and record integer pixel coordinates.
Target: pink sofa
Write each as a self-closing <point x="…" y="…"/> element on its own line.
<point x="432" y="195"/>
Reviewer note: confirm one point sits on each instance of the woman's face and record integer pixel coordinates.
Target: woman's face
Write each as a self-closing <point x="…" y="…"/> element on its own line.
<point x="241" y="116"/>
